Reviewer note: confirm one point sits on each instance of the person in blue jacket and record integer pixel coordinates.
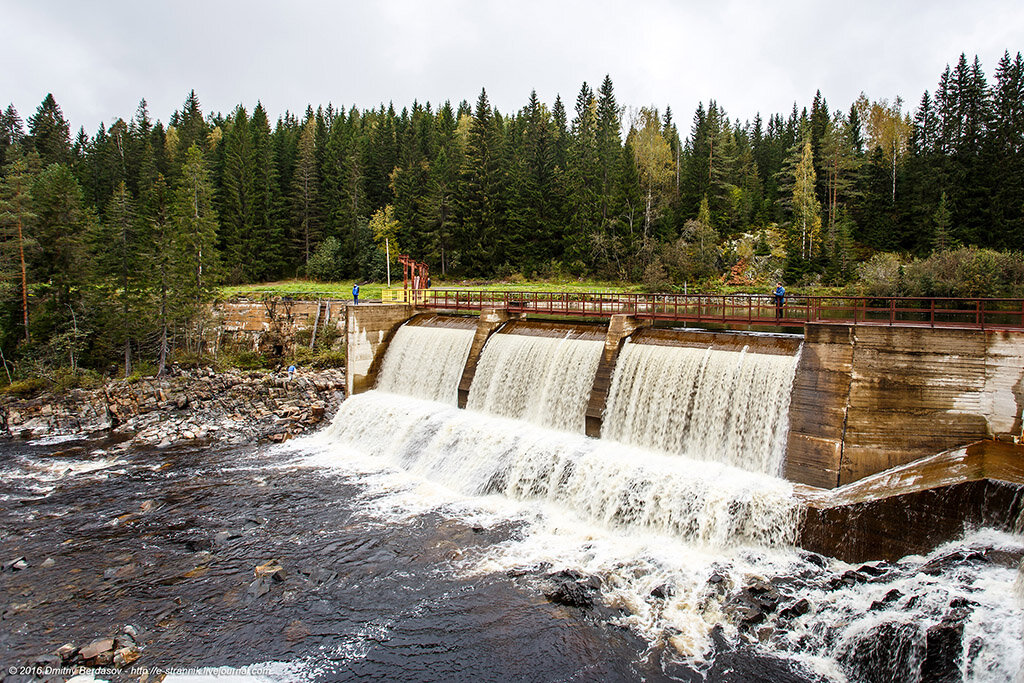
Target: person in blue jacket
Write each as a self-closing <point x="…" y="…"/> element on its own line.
<point x="355" y="293"/>
<point x="780" y="299"/>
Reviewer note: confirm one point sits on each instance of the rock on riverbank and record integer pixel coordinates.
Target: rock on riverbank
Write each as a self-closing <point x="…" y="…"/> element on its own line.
<point x="231" y="407"/>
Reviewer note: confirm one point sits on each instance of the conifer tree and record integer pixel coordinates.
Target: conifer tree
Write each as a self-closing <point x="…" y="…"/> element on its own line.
<point x="121" y="248"/>
<point x="305" y="190"/>
<point x="11" y="133"/>
<point x="190" y="127"/>
<point x="16" y="216"/>
<point x="481" y="178"/>
<point x="583" y="178"/>
<point x="167" y="276"/>
<point x="609" y="145"/>
<point x="265" y="246"/>
<point x="237" y="204"/>
<point x="195" y="243"/>
<point x="440" y="209"/>
<point x="50" y="133"/>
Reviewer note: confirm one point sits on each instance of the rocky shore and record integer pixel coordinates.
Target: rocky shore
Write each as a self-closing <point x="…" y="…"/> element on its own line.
<point x="188" y="405"/>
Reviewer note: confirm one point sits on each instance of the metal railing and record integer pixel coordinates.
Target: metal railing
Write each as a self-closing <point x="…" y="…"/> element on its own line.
<point x="751" y="309"/>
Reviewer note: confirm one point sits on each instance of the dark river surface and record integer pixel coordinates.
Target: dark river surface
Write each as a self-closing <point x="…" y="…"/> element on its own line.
<point x="167" y="541"/>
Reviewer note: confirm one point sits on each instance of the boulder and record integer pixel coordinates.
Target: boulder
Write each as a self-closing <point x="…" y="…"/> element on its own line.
<point x="98" y="649"/>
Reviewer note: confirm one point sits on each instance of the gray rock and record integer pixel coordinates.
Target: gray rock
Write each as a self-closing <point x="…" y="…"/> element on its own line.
<point x="16" y="565"/>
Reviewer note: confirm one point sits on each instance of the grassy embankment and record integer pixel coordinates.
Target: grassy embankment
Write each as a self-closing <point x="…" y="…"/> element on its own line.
<point x="372" y="290"/>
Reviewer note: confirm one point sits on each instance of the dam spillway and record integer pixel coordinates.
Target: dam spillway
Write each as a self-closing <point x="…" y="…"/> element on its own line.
<point x="426" y="362"/>
<point x="708" y="487"/>
<point x="705" y="403"/>
<point x="545" y="379"/>
<point x="521" y="434"/>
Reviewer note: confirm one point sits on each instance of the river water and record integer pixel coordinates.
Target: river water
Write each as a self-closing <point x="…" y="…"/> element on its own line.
<point x="421" y="542"/>
<point x="393" y="575"/>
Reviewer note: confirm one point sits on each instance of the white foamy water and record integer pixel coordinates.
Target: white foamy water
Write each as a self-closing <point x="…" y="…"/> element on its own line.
<point x="606" y="483"/>
<point x="543" y="380"/>
<point x="645" y="523"/>
<point x="426" y="362"/>
<point x="722" y="406"/>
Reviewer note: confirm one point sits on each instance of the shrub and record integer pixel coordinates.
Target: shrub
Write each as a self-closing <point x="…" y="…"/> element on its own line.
<point x="328" y="358"/>
<point x="24" y="388"/>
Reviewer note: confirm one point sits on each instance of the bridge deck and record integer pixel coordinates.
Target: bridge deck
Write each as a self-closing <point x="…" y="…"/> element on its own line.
<point x="746" y="309"/>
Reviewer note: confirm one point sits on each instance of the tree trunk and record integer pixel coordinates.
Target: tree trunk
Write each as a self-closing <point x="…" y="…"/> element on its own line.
<point x="24" y="280"/>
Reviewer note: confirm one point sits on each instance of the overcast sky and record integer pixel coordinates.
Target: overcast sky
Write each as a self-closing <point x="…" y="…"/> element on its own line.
<point x="100" y="58"/>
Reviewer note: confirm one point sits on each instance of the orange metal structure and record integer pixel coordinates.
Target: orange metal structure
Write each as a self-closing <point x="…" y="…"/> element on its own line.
<point x="415" y="274"/>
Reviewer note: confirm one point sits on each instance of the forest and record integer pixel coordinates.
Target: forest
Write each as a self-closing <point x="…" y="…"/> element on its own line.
<point x="113" y="244"/>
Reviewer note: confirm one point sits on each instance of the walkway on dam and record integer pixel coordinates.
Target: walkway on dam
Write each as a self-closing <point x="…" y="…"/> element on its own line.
<point x="746" y="309"/>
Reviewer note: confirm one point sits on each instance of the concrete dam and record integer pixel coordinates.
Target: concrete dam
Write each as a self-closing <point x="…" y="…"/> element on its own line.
<point x="861" y="442"/>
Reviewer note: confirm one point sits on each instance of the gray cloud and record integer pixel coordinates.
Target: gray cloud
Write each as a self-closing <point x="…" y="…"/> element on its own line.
<point x="100" y="58"/>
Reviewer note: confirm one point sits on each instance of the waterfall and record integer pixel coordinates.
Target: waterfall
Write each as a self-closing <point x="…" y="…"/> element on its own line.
<point x="426" y="362"/>
<point x="543" y="380"/>
<point x="722" y="406"/>
<point x="616" y="486"/>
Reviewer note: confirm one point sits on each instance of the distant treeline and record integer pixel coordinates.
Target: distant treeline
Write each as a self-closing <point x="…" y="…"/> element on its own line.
<point x="152" y="215"/>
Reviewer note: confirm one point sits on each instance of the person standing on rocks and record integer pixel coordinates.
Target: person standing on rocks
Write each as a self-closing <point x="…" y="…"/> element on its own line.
<point x="355" y="293"/>
<point x="291" y="372"/>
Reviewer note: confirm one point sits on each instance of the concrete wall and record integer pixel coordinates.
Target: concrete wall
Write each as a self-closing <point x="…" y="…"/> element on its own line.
<point x="867" y="398"/>
<point x="264" y="325"/>
<point x="491" y="319"/>
<point x="620" y="327"/>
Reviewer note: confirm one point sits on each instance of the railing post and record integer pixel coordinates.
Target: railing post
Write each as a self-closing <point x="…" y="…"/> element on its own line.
<point x="892" y="311"/>
<point x="932" y="317"/>
<point x="982" y="314"/>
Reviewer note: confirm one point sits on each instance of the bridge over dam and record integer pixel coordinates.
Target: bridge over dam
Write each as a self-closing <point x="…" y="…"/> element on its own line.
<point x="885" y="414"/>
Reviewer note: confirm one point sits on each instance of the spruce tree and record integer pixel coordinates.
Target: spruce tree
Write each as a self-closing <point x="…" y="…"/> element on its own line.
<point x="121" y="248"/>
<point x="264" y="247"/>
<point x="11" y="133"/>
<point x="237" y="203"/>
<point x="583" y="180"/>
<point x="305" y="190"/>
<point x="50" y="133"/>
<point x="480" y="180"/>
<point x="195" y="243"/>
<point x="16" y="216"/>
<point x="167" y="275"/>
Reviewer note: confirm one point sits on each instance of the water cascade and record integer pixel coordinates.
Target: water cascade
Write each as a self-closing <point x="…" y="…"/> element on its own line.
<point x="426" y="362"/>
<point x="722" y="406"/>
<point x="615" y="486"/>
<point x="543" y="380"/>
<point x="678" y="510"/>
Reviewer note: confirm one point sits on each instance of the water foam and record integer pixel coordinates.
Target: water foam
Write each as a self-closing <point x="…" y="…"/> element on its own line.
<point x="611" y="484"/>
<point x="674" y="568"/>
